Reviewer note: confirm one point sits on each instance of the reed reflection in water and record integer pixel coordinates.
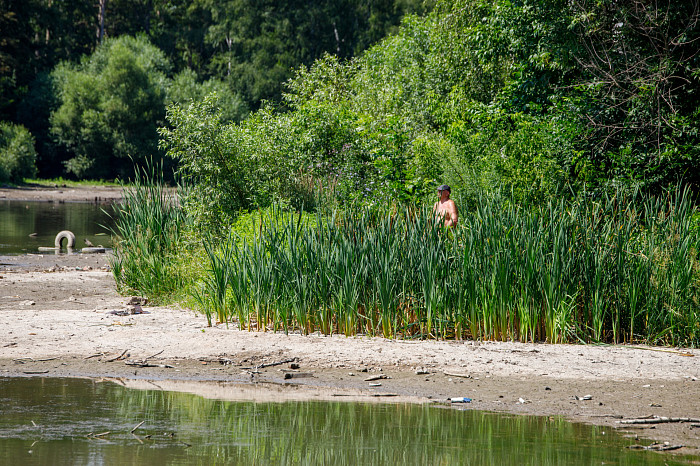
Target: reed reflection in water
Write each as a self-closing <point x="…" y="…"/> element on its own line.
<point x="47" y="421"/>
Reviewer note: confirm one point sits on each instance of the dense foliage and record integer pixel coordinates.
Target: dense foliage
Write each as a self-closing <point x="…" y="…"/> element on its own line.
<point x="241" y="49"/>
<point x="476" y="94"/>
<point x="17" y="153"/>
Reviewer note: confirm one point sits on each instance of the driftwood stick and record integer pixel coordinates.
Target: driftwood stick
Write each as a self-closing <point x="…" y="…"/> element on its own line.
<point x="464" y="376"/>
<point x="376" y="377"/>
<point x="118" y="357"/>
<point x="659" y="420"/>
<point x="278" y="363"/>
<point x="145" y="363"/>
<point x="655" y="447"/>
<point x="96" y="355"/>
<point x="297" y="375"/>
<point x="153" y="356"/>
<point x="137" y="426"/>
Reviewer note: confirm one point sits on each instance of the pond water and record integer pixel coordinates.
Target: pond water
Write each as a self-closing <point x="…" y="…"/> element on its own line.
<point x="43" y="220"/>
<point x="49" y="421"/>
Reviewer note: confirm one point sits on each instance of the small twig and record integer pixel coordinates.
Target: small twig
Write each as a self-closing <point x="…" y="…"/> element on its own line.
<point x="35" y="372"/>
<point x="94" y="355"/>
<point x="118" y="357"/>
<point x="137" y="426"/>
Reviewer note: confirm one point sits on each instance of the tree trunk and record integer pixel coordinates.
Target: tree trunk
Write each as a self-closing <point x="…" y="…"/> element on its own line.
<point x="101" y="19"/>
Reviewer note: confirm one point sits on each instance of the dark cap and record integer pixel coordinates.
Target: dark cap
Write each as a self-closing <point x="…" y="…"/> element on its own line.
<point x="444" y="187"/>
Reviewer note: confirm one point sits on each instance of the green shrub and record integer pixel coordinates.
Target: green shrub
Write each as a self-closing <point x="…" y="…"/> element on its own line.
<point x="17" y="153"/>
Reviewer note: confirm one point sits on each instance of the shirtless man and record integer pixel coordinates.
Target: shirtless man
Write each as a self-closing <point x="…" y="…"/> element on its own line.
<point x="446" y="207"/>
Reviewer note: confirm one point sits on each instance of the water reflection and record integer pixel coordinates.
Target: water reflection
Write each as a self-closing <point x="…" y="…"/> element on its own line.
<point x="53" y="417"/>
<point x="43" y="220"/>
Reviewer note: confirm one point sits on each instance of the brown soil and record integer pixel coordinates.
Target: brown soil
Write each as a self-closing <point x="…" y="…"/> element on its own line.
<point x="56" y="321"/>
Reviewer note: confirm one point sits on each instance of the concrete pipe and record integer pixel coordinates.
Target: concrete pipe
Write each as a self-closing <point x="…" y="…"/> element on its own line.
<point x="68" y="236"/>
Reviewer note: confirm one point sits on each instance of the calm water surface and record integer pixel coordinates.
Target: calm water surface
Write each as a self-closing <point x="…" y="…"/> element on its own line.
<point x="19" y="219"/>
<point x="48" y="421"/>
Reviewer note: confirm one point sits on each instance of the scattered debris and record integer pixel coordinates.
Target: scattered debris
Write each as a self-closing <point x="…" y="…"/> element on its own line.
<point x="137" y="300"/>
<point x="375" y="385"/>
<point x="583" y="398"/>
<point x="460" y="399"/>
<point x="131" y="310"/>
<point x="376" y="377"/>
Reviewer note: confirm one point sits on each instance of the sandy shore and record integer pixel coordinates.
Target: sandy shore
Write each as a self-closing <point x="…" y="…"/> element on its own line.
<point x="57" y="319"/>
<point x="62" y="193"/>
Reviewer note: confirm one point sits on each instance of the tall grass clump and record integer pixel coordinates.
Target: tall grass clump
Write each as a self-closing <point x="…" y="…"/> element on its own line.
<point x="622" y="268"/>
<point x="148" y="228"/>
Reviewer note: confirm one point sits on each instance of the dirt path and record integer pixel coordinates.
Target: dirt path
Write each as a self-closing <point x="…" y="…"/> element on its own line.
<point x="56" y="319"/>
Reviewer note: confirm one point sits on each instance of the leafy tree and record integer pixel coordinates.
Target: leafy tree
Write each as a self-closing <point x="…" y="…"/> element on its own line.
<point x="110" y="107"/>
<point x="258" y="43"/>
<point x="186" y="88"/>
<point x="17" y="154"/>
<point x="639" y="84"/>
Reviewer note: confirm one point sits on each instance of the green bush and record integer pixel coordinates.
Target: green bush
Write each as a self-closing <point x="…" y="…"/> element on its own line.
<point x="17" y="153"/>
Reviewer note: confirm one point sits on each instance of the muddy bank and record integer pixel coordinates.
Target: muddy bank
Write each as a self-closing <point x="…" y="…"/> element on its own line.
<point x="63" y="318"/>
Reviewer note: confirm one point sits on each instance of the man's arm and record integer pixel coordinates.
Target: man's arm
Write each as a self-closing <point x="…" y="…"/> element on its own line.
<point x="454" y="215"/>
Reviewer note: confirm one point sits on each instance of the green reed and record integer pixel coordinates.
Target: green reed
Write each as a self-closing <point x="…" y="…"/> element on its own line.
<point x="147" y="230"/>
<point x="621" y="268"/>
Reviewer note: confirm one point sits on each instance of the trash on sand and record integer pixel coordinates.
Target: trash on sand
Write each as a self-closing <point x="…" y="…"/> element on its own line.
<point x="583" y="398"/>
<point x="460" y="399"/>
